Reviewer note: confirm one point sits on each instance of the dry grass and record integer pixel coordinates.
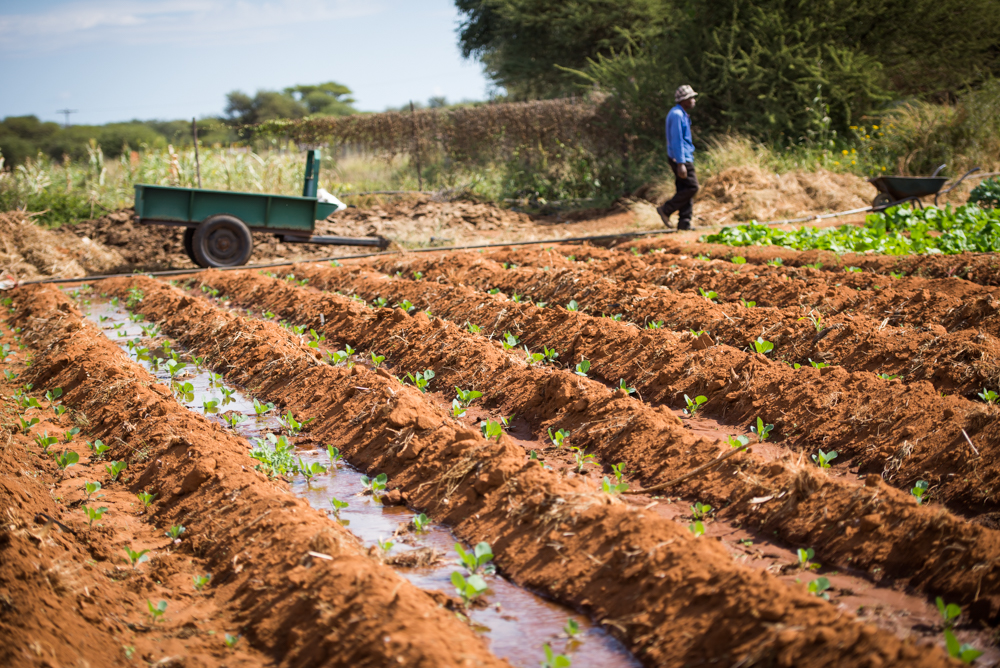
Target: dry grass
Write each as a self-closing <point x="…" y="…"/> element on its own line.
<point x="28" y="251"/>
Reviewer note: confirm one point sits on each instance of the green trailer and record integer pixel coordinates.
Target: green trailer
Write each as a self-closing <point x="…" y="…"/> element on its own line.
<point x="218" y="223"/>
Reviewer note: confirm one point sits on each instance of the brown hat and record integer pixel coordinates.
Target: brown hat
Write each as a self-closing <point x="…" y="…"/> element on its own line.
<point x="685" y="92"/>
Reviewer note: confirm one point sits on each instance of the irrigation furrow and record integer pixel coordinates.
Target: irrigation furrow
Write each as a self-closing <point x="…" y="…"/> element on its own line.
<point x="254" y="534"/>
<point x="860" y="416"/>
<point x="674" y="598"/>
<point x="806" y="504"/>
<point x="964" y="361"/>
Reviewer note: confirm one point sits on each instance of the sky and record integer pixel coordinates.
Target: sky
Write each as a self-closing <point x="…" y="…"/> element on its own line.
<point x="115" y="60"/>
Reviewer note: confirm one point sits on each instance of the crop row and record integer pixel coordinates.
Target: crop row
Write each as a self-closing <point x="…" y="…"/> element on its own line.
<point x="674" y="597"/>
<point x="615" y="428"/>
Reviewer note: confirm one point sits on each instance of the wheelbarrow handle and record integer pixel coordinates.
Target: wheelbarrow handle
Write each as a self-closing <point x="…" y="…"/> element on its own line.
<point x="938" y="170"/>
<point x="954" y="185"/>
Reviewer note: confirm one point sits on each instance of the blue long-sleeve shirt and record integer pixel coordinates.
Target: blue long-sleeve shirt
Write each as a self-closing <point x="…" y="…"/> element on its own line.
<point x="680" y="148"/>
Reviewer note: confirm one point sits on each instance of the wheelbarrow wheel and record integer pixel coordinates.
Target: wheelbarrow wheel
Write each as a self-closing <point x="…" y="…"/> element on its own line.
<point x="222" y="241"/>
<point x="881" y="201"/>
<point x="189" y="243"/>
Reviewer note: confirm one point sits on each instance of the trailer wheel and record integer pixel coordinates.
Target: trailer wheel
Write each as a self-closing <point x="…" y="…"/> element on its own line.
<point x="222" y="241"/>
<point x="189" y="244"/>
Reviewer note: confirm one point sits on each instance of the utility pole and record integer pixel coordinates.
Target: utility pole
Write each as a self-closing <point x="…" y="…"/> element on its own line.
<point x="67" y="112"/>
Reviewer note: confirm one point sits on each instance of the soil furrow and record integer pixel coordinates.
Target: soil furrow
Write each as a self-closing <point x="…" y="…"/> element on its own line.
<point x="677" y="599"/>
<point x="651" y="442"/>
<point x="255" y="536"/>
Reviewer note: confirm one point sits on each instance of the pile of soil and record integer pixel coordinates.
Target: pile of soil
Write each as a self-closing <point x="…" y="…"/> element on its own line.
<point x="28" y="251"/>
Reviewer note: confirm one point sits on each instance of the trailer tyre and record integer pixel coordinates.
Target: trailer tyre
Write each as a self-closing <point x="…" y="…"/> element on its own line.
<point x="222" y="241"/>
<point x="189" y="243"/>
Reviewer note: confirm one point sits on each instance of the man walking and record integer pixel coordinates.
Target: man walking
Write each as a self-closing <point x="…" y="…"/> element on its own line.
<point x="680" y="154"/>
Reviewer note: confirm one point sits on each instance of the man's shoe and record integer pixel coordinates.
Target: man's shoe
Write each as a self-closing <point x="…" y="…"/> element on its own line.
<point x="665" y="217"/>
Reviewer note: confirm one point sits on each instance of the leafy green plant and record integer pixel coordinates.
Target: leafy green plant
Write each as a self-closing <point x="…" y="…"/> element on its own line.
<point x="175" y="531"/>
<point x="25" y="425"/>
<point x="654" y="324"/>
<point x="262" y="409"/>
<point x="336" y="459"/>
<point x="989" y="396"/>
<point x="200" y="581"/>
<point x="66" y="459"/>
<point x="853" y="270"/>
<point x="377" y="359"/>
<point x="210" y="406"/>
<point x="234" y="419"/>
<point x="818" y="365"/>
<point x="559" y="437"/>
<point x="376" y="485"/>
<point x="9" y="375"/>
<point x="337" y="505"/>
<point x="491" y="429"/>
<point x="709" y="295"/>
<point x="115" y="469"/>
<point x="508" y="341"/>
<point x="60" y="410"/>
<point x="823" y="459"/>
<point x="572" y="306"/>
<point x="53" y="394"/>
<point x="949" y="612"/>
<point x="622" y="385"/>
<point x="819" y="587"/>
<point x="762" y="430"/>
<point x="145" y="498"/>
<point x="477" y="558"/>
<point x="466" y="397"/>
<point x="68" y="436"/>
<point x="473" y="329"/>
<point x="421" y="380"/>
<point x="697" y="528"/>
<point x="583" y="367"/>
<point x="747" y="304"/>
<point x="815" y="318"/>
<point x="184" y="392"/>
<point x="965" y="652"/>
<point x="694" y="404"/>
<point x="156" y="611"/>
<point x="385" y="545"/>
<point x="315" y="339"/>
<point x="553" y="660"/>
<point x="897" y="275"/>
<point x="582" y="458"/>
<point x="738" y="260"/>
<point x="91" y="488"/>
<point x="885" y="376"/>
<point x="775" y="262"/>
<point x="469" y="588"/>
<point x="309" y="471"/>
<point x="613" y="488"/>
<point x="618" y="470"/>
<point x="135" y="296"/>
<point x="274" y="454"/>
<point x="293" y="426"/>
<point x="805" y="558"/>
<point x="700" y="511"/>
<point x="919" y="491"/>
<point x="45" y="441"/>
<point x="94" y="514"/>
<point x="174" y="367"/>
<point x="457" y="409"/>
<point x="135" y="558"/>
<point x="98" y="448"/>
<point x="421" y="523"/>
<point x="231" y="640"/>
<point x="737" y="441"/>
<point x="761" y="346"/>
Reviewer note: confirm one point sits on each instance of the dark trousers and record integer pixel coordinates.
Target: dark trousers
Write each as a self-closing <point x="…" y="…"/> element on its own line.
<point x="681" y="201"/>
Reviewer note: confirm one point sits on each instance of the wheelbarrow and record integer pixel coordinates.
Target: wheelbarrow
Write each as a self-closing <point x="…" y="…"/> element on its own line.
<point x="893" y="190"/>
<point x="218" y="223"/>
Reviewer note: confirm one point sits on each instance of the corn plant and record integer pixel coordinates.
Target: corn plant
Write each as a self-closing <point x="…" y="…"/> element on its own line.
<point x="949" y="612"/>
<point x="965" y="652"/>
<point x="94" y="514"/>
<point x="477" y="558"/>
<point x="815" y="318"/>
<point x="559" y="437"/>
<point x="421" y="523"/>
<point x="115" y="469"/>
<point x="805" y="559"/>
<point x="491" y="429"/>
<point x="200" y="581"/>
<point x="919" y="491"/>
<point x="694" y="404"/>
<point x="66" y="459"/>
<point x="337" y="506"/>
<point x="469" y="588"/>
<point x="145" y="498"/>
<point x="175" y="531"/>
<point x="231" y="640"/>
<point x="135" y="558"/>
<point x="613" y="488"/>
<point x="818" y="588"/>
<point x="156" y="611"/>
<point x="700" y="511"/>
<point x="376" y="485"/>
<point x="45" y="441"/>
<point x="91" y="488"/>
<point x="582" y="368"/>
<point x="25" y="425"/>
<point x="737" y="441"/>
<point x="553" y="660"/>
<point x="421" y="380"/>
<point x="377" y="360"/>
<point x="262" y="409"/>
<point x="762" y="430"/>
<point x="989" y="396"/>
<point x="697" y="528"/>
<point x="761" y="346"/>
<point x="709" y="295"/>
<point x="823" y="459"/>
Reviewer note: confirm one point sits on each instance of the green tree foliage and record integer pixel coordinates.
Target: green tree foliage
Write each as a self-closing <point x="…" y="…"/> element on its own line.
<point x="327" y="99"/>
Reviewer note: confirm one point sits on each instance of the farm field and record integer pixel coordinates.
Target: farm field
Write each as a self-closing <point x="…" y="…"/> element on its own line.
<point x="665" y="458"/>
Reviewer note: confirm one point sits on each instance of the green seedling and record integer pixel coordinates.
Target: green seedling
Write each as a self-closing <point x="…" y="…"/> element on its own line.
<point x="316" y="339"/>
<point x="380" y="302"/>
<point x="135" y="296"/>
<point x="949" y="612"/>
<point x="541" y="304"/>
<point x="583" y="367"/>
<point x="549" y="354"/>
<point x="94" y="514"/>
<point x="421" y="380"/>
<point x="406" y="305"/>
<point x="469" y="588"/>
<point x="145" y="498"/>
<point x="25" y="425"/>
<point x="805" y="559"/>
<point x="175" y="531"/>
<point x="66" y="459"/>
<point x="919" y="491"/>
<point x="262" y="409"/>
<point x="9" y="375"/>
<point x="417" y="275"/>
<point x="654" y="324"/>
<point x="747" y="304"/>
<point x="231" y="640"/>
<point x="553" y="660"/>
<point x="214" y="379"/>
<point x="694" y="404"/>
<point x="533" y="358"/>
<point x="761" y="346"/>
<point x="559" y="437"/>
<point x="184" y="392"/>
<point x="376" y="484"/>
<point x="473" y="329"/>
<point x="274" y="454"/>
<point x="697" y="528"/>
<point x="815" y="318"/>
<point x="572" y="306"/>
<point x="60" y="410"/>
<point x="853" y="270"/>
<point x="115" y="469"/>
<point x="738" y="260"/>
<point x="136" y="558"/>
<point x="336" y="459"/>
<point x="491" y="429"/>
<point x="377" y="359"/>
<point x="200" y="581"/>
<point x="477" y="558"/>
<point x="775" y="262"/>
<point x="700" y="511"/>
<point x="91" y="488"/>
<point x="210" y="406"/>
<point x="386" y="545"/>
<point x="293" y="426"/>
<point x="897" y="274"/>
<point x="270" y="315"/>
<point x="618" y="470"/>
<point x="309" y="471"/>
<point x="457" y="409"/>
<point x="421" y="523"/>
<point x="174" y="367"/>
<point x="53" y="394"/>
<point x="989" y="396"/>
<point x="234" y="419"/>
<point x="762" y="430"/>
<point x="965" y="652"/>
<point x="818" y="365"/>
<point x="613" y="488"/>
<point x="509" y="341"/>
<point x="819" y="586"/>
<point x="582" y="458"/>
<point x="98" y="448"/>
<point x="823" y="459"/>
<point x="516" y="298"/>
<point x="885" y="376"/>
<point x="737" y="441"/>
<point x="337" y="506"/>
<point x="298" y="330"/>
<point x="466" y="397"/>
<point x="710" y="295"/>
<point x="156" y="611"/>
<point x="45" y="441"/>
<point x="622" y="385"/>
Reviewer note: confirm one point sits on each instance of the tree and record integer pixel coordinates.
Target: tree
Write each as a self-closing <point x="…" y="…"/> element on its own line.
<point x="327" y="99"/>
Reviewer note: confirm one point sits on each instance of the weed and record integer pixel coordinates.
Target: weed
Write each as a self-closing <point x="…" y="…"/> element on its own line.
<point x="609" y="487"/>
<point x="231" y="640"/>
<point x="66" y="459"/>
<point x="145" y="498"/>
<point x="919" y="491"/>
<point x="700" y="511"/>
<point x="709" y="295"/>
<point x="762" y="430"/>
<point x="737" y="441"/>
<point x="966" y="653"/>
<point x="805" y="559"/>
<point x="622" y="385"/>
<point x="156" y="611"/>
<point x="377" y="359"/>
<point x="91" y="488"/>
<point x="94" y="514"/>
<point x="25" y="425"/>
<point x="262" y="409"/>
<point x="234" y="419"/>
<point x="136" y="558"/>
<point x="559" y="437"/>
<point x="583" y="367"/>
<point x="115" y="469"/>
<point x="477" y="558"/>
<point x="469" y="588"/>
<point x="421" y="380"/>
<point x="45" y="441"/>
<point x="761" y="346"/>
<point x="491" y="429"/>
<point x="823" y="459"/>
<point x="694" y="404"/>
<point x="747" y="304"/>
<point x="697" y="528"/>
<point x="989" y="396"/>
<point x="582" y="458"/>
<point x="553" y="660"/>
<point x="949" y="612"/>
<point x="815" y="318"/>
<point x="175" y="531"/>
<point x="819" y="586"/>
<point x="421" y="522"/>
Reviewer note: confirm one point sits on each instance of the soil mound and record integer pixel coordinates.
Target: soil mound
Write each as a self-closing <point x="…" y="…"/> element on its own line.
<point x="28" y="251"/>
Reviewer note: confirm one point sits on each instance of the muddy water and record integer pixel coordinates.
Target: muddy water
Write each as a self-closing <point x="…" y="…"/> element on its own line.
<point x="515" y="622"/>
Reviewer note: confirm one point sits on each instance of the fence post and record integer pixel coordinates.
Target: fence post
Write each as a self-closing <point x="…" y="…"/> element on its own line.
<point x="197" y="162"/>
<point x="416" y="147"/>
